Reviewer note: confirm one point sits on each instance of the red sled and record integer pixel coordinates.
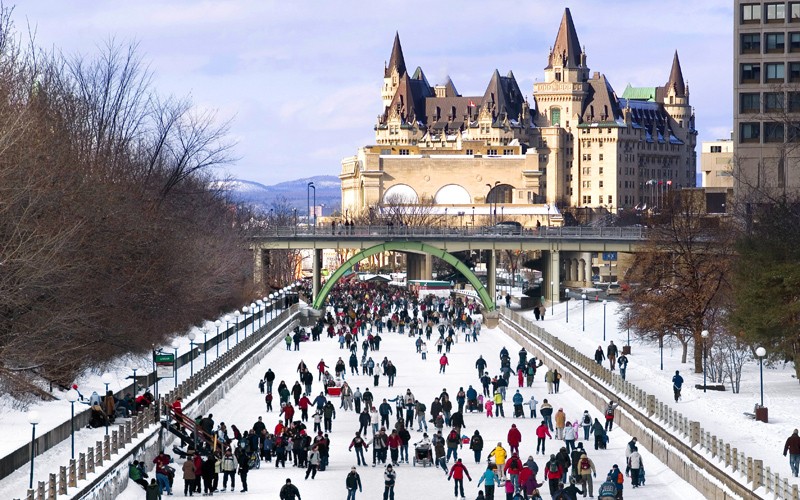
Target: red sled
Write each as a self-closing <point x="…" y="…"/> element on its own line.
<point x="334" y="391"/>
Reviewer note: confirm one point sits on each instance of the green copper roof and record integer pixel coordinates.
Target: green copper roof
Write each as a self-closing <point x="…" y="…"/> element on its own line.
<point x="640" y="93"/>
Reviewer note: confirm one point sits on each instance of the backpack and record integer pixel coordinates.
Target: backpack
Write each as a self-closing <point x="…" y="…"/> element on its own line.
<point x="587" y="420"/>
<point x="584" y="464"/>
<point x="553" y="466"/>
<point x="422" y="408"/>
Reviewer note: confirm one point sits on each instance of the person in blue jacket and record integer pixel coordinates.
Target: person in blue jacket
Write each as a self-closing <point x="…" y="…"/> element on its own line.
<point x="677" y="383"/>
<point x="489" y="479"/>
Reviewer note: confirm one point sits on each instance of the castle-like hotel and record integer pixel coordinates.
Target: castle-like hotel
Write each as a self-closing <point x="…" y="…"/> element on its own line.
<point x="576" y="144"/>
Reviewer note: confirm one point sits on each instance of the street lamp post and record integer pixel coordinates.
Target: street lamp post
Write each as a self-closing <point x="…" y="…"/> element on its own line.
<point x="218" y="324"/>
<point x="253" y="316"/>
<point x="260" y="304"/>
<point x="134" y="370"/>
<point x="628" y="322"/>
<point x="661" y="349"/>
<point x="245" y="310"/>
<point x="175" y="365"/>
<point x="191" y="336"/>
<point x="605" y="302"/>
<point x="704" y="334"/>
<point x="72" y="396"/>
<point x="294" y="212"/>
<point x="205" y="347"/>
<point x="566" y="301"/>
<point x="552" y="300"/>
<point x="272" y="304"/>
<point x="107" y="379"/>
<point x="583" y="313"/>
<point x="236" y="315"/>
<point x="473" y="218"/>
<point x="227" y="335"/>
<point x="761" y="352"/>
<point x="33" y="419"/>
<point x="309" y="187"/>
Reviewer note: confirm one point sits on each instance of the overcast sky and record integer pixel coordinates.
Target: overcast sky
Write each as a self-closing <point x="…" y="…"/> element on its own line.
<point x="301" y="79"/>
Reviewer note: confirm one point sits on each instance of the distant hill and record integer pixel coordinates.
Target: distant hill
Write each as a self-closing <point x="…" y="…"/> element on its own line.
<point x="328" y="188"/>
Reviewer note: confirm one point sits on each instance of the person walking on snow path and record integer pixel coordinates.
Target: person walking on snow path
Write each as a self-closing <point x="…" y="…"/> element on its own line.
<point x="514" y="438"/>
<point x="677" y="383"/>
<point x="793" y="447"/>
<point x="443" y="362"/>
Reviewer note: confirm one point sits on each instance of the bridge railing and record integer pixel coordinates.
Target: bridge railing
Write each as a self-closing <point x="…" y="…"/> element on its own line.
<point x="385" y="231"/>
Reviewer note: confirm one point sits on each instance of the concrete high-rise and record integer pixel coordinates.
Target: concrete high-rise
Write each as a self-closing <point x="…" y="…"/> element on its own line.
<point x="766" y="98"/>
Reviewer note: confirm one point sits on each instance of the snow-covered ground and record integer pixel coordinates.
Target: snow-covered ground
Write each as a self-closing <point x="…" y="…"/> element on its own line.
<point x="721" y="413"/>
<point x="244" y="404"/>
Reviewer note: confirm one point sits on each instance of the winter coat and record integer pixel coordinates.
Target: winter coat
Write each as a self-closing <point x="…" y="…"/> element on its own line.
<point x="458" y="471"/>
<point x="542" y="431"/>
<point x="476" y="443"/>
<point x="488" y="478"/>
<point x="636" y="460"/>
<point x="188" y="470"/>
<point x="499" y="453"/>
<point x="514" y="437"/>
<point x="228" y="463"/>
<point x="570" y="433"/>
<point x="546" y="410"/>
<point x="586" y="466"/>
<point x="561" y="419"/>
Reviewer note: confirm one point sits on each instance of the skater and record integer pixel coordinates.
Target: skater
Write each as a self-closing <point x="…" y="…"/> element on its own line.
<point x="541" y="432"/>
<point x="352" y="482"/>
<point x="514" y="438"/>
<point x="532" y="405"/>
<point x="677" y="383"/>
<point x="443" y="362"/>
<point x="289" y="491"/>
<point x="489" y="479"/>
<point x="389" y="478"/>
<point x="457" y="472"/>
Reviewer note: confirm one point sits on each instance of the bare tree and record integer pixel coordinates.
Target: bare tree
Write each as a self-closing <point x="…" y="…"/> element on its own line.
<point x="681" y="274"/>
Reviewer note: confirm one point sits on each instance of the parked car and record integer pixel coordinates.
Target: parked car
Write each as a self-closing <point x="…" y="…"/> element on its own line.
<point x="507" y="227"/>
<point x="614" y="289"/>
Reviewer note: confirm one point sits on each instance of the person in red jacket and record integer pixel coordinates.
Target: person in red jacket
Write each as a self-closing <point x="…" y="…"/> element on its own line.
<point x="177" y="409"/>
<point x="514" y="438"/>
<point x="553" y="472"/>
<point x="303" y="404"/>
<point x="287" y="411"/>
<point x="443" y="362"/>
<point x="394" y="442"/>
<point x="457" y="472"/>
<point x="321" y="366"/>
<point x="541" y="432"/>
<point x="513" y="467"/>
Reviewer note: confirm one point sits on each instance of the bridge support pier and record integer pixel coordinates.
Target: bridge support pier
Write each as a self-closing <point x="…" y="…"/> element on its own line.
<point x="316" y="269"/>
<point x="552" y="275"/>
<point x="491" y="275"/>
<point x="419" y="266"/>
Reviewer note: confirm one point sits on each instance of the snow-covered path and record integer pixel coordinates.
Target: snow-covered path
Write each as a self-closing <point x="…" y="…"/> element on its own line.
<point x="244" y="404"/>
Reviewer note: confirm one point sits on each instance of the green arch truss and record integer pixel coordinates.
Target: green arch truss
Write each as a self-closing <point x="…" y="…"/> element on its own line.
<point x="483" y="294"/>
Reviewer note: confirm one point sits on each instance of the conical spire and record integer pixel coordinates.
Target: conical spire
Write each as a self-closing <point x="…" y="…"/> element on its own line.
<point x="396" y="61"/>
<point x="676" y="78"/>
<point x="567" y="49"/>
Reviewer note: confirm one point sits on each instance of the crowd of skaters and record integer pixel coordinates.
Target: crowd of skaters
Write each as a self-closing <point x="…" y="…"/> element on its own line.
<point x="358" y="315"/>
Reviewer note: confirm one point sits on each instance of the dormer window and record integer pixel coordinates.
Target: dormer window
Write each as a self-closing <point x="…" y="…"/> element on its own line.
<point x="558" y="76"/>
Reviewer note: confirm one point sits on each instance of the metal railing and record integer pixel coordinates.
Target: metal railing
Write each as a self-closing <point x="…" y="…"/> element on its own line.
<point x="389" y="232"/>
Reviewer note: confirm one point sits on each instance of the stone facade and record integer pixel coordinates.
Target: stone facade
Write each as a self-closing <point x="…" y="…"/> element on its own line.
<point x="575" y="144"/>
